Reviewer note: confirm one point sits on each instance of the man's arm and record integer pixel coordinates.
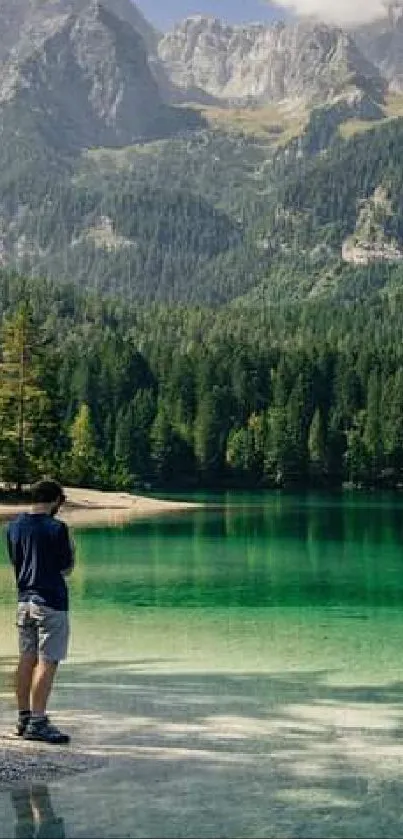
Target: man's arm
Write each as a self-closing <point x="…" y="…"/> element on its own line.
<point x="10" y="546"/>
<point x="67" y="571"/>
<point x="66" y="552"/>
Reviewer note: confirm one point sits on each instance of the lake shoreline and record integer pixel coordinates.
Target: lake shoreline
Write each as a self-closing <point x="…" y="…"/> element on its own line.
<point x="94" y="507"/>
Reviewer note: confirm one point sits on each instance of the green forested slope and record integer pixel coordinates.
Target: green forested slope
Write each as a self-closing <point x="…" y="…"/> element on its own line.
<point x="121" y="395"/>
<point x="207" y="218"/>
<point x="328" y="189"/>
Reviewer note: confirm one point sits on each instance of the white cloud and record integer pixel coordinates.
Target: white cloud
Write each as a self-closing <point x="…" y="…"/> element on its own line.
<point x="338" y="11"/>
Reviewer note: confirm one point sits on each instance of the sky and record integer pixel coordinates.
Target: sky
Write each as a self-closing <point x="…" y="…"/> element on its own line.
<point x="163" y="13"/>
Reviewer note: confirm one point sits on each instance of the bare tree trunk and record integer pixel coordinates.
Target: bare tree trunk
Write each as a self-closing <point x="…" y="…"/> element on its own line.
<point x="21" y="419"/>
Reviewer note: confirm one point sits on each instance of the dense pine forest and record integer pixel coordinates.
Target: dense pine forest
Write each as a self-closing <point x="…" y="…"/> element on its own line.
<point x="110" y="395"/>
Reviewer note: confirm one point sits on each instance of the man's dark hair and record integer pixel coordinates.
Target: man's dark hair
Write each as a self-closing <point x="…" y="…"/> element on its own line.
<point x="46" y="491"/>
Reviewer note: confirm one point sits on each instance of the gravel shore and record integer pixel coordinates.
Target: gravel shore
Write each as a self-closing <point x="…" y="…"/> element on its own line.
<point x="26" y="762"/>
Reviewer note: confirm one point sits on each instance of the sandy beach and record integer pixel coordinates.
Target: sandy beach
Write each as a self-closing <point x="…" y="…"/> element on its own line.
<point x="85" y="507"/>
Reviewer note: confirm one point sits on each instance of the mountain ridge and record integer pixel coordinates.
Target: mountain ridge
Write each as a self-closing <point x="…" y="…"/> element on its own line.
<point x="302" y="61"/>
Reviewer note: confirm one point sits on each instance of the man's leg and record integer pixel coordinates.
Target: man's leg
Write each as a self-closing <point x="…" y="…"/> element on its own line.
<point x="23" y="680"/>
<point x="42" y="683"/>
<point x="39" y="727"/>
<point x="53" y="632"/>
<point x="28" y="648"/>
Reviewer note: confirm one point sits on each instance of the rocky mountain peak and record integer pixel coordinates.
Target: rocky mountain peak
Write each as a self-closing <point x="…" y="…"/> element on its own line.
<point x="27" y="23"/>
<point x="382" y="43"/>
<point x="82" y="69"/>
<point x="305" y="60"/>
<point x="395" y="13"/>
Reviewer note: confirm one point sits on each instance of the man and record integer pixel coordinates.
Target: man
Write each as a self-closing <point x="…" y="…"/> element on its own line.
<point x="42" y="555"/>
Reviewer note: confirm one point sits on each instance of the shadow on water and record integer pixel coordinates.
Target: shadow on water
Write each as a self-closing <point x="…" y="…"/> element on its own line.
<point x="228" y="755"/>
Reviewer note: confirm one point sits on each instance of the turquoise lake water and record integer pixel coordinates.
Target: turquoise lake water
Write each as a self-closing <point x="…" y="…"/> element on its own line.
<point x="250" y="581"/>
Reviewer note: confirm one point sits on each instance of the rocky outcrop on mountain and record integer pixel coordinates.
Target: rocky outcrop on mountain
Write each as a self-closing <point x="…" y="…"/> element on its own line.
<point x="81" y="71"/>
<point x="26" y="24"/>
<point x="382" y="44"/>
<point x="370" y="241"/>
<point x="256" y="64"/>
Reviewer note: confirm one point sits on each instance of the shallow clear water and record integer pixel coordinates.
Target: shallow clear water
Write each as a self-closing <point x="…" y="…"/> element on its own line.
<point x="252" y="583"/>
<point x="239" y="669"/>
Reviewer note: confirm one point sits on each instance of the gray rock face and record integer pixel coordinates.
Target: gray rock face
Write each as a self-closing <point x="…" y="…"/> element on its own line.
<point x="305" y="61"/>
<point x="25" y="24"/>
<point x="82" y="69"/>
<point x="382" y="43"/>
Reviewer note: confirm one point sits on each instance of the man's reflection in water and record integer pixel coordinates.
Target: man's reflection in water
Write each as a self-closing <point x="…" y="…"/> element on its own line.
<point x="36" y="818"/>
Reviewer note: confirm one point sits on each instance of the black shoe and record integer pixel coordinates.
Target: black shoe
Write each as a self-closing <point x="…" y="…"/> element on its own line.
<point x="22" y="724"/>
<point x="43" y="731"/>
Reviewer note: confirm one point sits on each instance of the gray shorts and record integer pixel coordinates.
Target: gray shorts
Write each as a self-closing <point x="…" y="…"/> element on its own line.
<point x="42" y="631"/>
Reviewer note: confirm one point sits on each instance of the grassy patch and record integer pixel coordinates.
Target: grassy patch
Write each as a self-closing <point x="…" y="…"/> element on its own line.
<point x="120" y="158"/>
<point x="357" y="126"/>
<point x="270" y="123"/>
<point x="393" y="109"/>
<point x="394" y="105"/>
